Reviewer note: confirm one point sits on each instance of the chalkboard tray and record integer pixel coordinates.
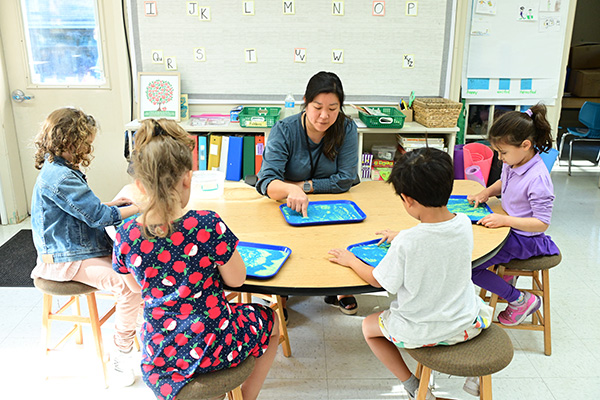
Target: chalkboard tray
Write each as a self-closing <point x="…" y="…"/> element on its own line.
<point x="263" y="260"/>
<point x="324" y="213"/>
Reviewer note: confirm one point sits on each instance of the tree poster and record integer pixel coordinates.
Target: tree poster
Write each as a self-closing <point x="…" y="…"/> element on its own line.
<point x="159" y="95"/>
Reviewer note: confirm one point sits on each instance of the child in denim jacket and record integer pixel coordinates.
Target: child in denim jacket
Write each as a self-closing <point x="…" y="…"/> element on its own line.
<point x="68" y="222"/>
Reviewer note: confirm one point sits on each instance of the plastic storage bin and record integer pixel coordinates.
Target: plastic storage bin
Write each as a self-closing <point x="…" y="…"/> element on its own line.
<point x="381" y="152"/>
<point x="208" y="184"/>
<point x="393" y="118"/>
<point x="259" y="117"/>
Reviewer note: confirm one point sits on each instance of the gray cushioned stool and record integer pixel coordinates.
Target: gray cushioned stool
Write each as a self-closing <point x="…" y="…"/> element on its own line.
<point x="485" y="354"/>
<point x="73" y="290"/>
<point x="217" y="384"/>
<point x="540" y="287"/>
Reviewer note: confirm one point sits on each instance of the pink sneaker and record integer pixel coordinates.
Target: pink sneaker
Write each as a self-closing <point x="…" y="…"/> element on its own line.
<point x="515" y="314"/>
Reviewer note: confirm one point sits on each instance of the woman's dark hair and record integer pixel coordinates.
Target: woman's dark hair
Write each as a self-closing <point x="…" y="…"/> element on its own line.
<point x="514" y="127"/>
<point x="328" y="82"/>
<point x="426" y="175"/>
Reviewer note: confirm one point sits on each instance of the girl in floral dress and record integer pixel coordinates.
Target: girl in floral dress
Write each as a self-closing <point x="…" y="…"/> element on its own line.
<point x="180" y="261"/>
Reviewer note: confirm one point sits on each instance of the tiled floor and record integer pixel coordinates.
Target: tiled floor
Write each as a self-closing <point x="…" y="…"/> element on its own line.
<point x="330" y="358"/>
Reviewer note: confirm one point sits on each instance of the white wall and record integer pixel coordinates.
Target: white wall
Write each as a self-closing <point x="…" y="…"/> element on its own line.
<point x="110" y="106"/>
<point x="13" y="201"/>
<point x="108" y="174"/>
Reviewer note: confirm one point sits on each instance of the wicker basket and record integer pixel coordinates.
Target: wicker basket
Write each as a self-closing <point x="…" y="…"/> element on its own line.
<point x="436" y="113"/>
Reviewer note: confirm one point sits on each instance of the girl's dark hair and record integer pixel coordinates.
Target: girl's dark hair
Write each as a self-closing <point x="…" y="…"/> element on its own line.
<point x="328" y="82"/>
<point x="162" y="155"/>
<point x="426" y="175"/>
<point x="514" y="127"/>
<point x="66" y="130"/>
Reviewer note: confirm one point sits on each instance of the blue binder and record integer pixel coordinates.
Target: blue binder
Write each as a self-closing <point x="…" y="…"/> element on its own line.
<point x="234" y="158"/>
<point x="202" y="153"/>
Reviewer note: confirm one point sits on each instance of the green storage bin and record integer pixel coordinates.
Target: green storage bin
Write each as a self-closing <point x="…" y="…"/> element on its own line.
<point x="259" y="117"/>
<point x="393" y="118"/>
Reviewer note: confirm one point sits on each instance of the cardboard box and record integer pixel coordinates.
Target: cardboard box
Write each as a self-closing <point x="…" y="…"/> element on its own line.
<point x="584" y="82"/>
<point x="409" y="115"/>
<point x="381" y="174"/>
<point x="585" y="56"/>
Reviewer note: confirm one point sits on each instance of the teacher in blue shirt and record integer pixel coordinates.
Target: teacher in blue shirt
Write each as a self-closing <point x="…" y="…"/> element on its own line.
<point x="315" y="151"/>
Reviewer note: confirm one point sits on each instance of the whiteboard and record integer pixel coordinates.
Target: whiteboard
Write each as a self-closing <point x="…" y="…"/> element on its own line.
<point x="373" y="47"/>
<point x="515" y="53"/>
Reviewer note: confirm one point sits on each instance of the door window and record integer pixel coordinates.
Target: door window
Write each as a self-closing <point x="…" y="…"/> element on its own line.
<point x="63" y="42"/>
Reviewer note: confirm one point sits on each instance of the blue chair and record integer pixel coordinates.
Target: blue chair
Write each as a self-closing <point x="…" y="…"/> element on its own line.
<point x="549" y="158"/>
<point x="589" y="115"/>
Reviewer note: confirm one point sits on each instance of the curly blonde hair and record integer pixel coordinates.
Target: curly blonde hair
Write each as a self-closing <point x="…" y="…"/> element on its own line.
<point x="161" y="156"/>
<point x="66" y="130"/>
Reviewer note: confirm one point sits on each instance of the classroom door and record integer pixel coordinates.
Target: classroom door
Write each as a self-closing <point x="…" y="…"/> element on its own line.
<point x="60" y="53"/>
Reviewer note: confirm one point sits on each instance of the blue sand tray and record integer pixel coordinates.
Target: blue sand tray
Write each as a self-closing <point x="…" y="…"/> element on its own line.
<point x="263" y="260"/>
<point x="459" y="204"/>
<point x="368" y="252"/>
<point x="324" y="212"/>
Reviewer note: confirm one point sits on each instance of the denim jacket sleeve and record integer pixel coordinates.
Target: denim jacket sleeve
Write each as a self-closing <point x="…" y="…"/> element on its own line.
<point x="75" y="197"/>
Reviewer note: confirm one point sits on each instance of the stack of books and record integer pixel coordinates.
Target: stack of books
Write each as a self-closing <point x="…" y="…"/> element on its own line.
<point x="411" y="143"/>
<point x="366" y="165"/>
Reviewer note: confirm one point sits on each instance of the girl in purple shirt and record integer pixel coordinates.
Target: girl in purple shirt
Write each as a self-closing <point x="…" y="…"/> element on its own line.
<point x="527" y="194"/>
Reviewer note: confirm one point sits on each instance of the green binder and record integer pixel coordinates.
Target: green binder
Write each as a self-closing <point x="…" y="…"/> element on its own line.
<point x="248" y="157"/>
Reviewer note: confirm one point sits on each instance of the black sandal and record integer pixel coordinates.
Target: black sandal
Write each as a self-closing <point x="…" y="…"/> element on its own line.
<point x="348" y="305"/>
<point x="285" y="315"/>
<point x="285" y="311"/>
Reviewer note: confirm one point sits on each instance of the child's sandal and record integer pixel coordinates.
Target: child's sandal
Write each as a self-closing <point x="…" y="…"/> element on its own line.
<point x="348" y="305"/>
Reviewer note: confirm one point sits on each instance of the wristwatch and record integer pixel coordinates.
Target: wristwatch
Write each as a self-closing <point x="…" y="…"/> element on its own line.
<point x="306" y="187"/>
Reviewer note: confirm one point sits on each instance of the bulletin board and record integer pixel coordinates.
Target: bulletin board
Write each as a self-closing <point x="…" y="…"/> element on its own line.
<point x="210" y="49"/>
<point x="514" y="50"/>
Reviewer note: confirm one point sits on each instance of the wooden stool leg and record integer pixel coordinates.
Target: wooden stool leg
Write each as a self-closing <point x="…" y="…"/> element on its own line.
<point x="424" y="382"/>
<point x="419" y="371"/>
<point x="47" y="309"/>
<point x="277" y="306"/>
<point x="246" y="298"/>
<point x="136" y="343"/>
<point x="283" y="333"/>
<point x="485" y="387"/>
<point x="235" y="394"/>
<point x="235" y="297"/>
<point x="95" y="323"/>
<point x="534" y="286"/>
<point x="77" y="312"/>
<point x="546" y="307"/>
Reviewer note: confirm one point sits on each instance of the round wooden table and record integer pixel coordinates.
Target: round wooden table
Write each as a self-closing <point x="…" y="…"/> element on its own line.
<point x="308" y="271"/>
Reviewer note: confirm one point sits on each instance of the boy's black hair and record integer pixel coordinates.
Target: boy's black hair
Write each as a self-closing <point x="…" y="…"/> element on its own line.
<point x="426" y="175"/>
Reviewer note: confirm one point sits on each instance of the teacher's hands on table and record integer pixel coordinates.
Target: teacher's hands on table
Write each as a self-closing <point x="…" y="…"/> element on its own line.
<point x="342" y="257"/>
<point x="388" y="236"/>
<point x="493" y="221"/>
<point x="297" y="200"/>
<point x="476" y="199"/>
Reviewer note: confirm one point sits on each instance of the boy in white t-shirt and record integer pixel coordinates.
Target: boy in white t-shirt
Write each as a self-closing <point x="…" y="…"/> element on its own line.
<point x="428" y="267"/>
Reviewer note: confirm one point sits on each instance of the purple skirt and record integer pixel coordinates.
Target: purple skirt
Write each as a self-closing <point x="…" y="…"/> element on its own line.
<point x="516" y="247"/>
